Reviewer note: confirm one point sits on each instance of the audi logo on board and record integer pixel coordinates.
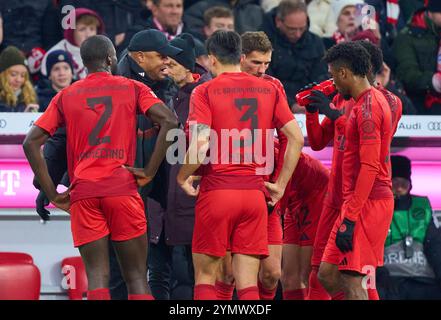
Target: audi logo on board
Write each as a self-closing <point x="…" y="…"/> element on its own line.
<point x="434" y="126"/>
<point x="3" y="123"/>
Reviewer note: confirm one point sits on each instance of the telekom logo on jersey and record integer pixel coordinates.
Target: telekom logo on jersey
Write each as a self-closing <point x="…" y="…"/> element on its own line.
<point x="247" y="146"/>
<point x="9" y="180"/>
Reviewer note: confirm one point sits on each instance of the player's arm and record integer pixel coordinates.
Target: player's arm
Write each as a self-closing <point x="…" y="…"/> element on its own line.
<point x="35" y="138"/>
<point x="319" y="134"/>
<point x="199" y="123"/>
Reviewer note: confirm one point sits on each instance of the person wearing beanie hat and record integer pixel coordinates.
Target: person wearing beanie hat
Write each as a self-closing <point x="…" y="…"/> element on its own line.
<point x="412" y="261"/>
<point x="201" y="54"/>
<point x="344" y="14"/>
<point x="16" y="91"/>
<point x="185" y="59"/>
<point x="87" y="23"/>
<point x="60" y="75"/>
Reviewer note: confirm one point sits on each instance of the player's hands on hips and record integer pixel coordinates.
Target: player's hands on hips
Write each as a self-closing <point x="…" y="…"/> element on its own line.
<point x="141" y="177"/>
<point x="40" y="203"/>
<point x="344" y="238"/>
<point x="188" y="187"/>
<point x="62" y="200"/>
<point x="276" y="192"/>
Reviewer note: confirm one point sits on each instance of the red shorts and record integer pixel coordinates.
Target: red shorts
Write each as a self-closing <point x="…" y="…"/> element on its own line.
<point x="275" y="231"/>
<point x="235" y="219"/>
<point x="326" y="223"/>
<point x="122" y="217"/>
<point x="301" y="220"/>
<point x="369" y="236"/>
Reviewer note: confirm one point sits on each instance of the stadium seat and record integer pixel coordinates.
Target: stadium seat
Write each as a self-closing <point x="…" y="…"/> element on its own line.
<point x="15" y="257"/>
<point x="19" y="281"/>
<point x="75" y="273"/>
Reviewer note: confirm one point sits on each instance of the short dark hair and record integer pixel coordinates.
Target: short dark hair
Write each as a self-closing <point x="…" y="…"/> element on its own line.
<point x="226" y="46"/>
<point x="287" y="7"/>
<point x="375" y="53"/>
<point x="95" y="50"/>
<point x="217" y="12"/>
<point x="351" y="55"/>
<point x="255" y="41"/>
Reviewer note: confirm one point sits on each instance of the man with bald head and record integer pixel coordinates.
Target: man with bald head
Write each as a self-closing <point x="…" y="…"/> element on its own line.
<point x="99" y="113"/>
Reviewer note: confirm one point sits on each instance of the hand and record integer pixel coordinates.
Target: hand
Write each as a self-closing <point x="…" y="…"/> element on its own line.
<point x="187" y="186"/>
<point x="344" y="238"/>
<point x="62" y="200"/>
<point x="324" y="104"/>
<point x="32" y="107"/>
<point x="141" y="178"/>
<point x="276" y="192"/>
<point x="309" y="108"/>
<point x="436" y="82"/>
<point x="40" y="204"/>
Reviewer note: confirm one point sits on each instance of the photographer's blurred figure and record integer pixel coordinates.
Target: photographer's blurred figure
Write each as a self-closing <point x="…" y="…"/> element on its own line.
<point x="412" y="255"/>
<point x="16" y="91"/>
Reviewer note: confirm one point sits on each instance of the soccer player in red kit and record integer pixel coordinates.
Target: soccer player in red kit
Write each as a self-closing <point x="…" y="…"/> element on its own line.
<point x="231" y="209"/>
<point x="356" y="242"/>
<point x="319" y="135"/>
<point x="99" y="113"/>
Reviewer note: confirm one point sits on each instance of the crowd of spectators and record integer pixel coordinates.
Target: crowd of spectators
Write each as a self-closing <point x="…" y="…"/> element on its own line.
<point x="40" y="40"/>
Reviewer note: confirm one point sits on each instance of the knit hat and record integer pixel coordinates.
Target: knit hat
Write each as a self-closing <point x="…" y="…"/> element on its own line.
<point x="58" y="56"/>
<point x="338" y="5"/>
<point x="434" y="6"/>
<point x="401" y="167"/>
<point x="69" y="33"/>
<point x="187" y="57"/>
<point x="367" y="35"/>
<point x="11" y="56"/>
<point x="199" y="48"/>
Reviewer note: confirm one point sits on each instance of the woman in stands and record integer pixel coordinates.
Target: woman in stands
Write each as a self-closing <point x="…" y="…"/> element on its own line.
<point x="16" y="91"/>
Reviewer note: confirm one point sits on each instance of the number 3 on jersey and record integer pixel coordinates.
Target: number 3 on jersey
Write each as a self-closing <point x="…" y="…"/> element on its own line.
<point x="94" y="138"/>
<point x="251" y="113"/>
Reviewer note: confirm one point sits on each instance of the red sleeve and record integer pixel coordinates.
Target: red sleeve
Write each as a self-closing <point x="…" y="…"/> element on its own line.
<point x="53" y="117"/>
<point x="319" y="134"/>
<point x="200" y="111"/>
<point x="369" y="130"/>
<point x="146" y="98"/>
<point x="282" y="113"/>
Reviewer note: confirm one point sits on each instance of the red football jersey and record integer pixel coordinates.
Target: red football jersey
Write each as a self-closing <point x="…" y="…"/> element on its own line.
<point x="366" y="162"/>
<point x="231" y="103"/>
<point x="395" y="104"/>
<point x="99" y="113"/>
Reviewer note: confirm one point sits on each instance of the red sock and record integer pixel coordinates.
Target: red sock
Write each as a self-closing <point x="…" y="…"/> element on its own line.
<point x="224" y="291"/>
<point x="265" y="293"/>
<point x="339" y="296"/>
<point x="250" y="293"/>
<point x="298" y="294"/>
<point x="141" y="297"/>
<point x="373" y="294"/>
<point x="316" y="290"/>
<point x="98" y="294"/>
<point x="204" y="292"/>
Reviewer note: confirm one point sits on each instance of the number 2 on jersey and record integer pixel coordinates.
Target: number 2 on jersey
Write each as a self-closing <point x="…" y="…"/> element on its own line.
<point x="94" y="140"/>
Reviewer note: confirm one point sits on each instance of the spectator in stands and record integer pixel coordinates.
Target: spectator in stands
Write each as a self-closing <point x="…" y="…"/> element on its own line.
<point x="418" y="55"/>
<point x="409" y="7"/>
<point x="297" y="55"/>
<point x="179" y="213"/>
<point x="23" y="23"/>
<point x="217" y="18"/>
<point x="88" y="23"/>
<point x="268" y="5"/>
<point x="344" y="13"/>
<point x="248" y="15"/>
<point x="163" y="15"/>
<point x="412" y="255"/>
<point x="60" y="69"/>
<point x="321" y="18"/>
<point x="16" y="91"/>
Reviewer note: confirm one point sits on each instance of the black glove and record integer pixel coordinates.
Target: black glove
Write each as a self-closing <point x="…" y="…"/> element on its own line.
<point x="309" y="108"/>
<point x="344" y="236"/>
<point x="40" y="203"/>
<point x="270" y="208"/>
<point x="323" y="103"/>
